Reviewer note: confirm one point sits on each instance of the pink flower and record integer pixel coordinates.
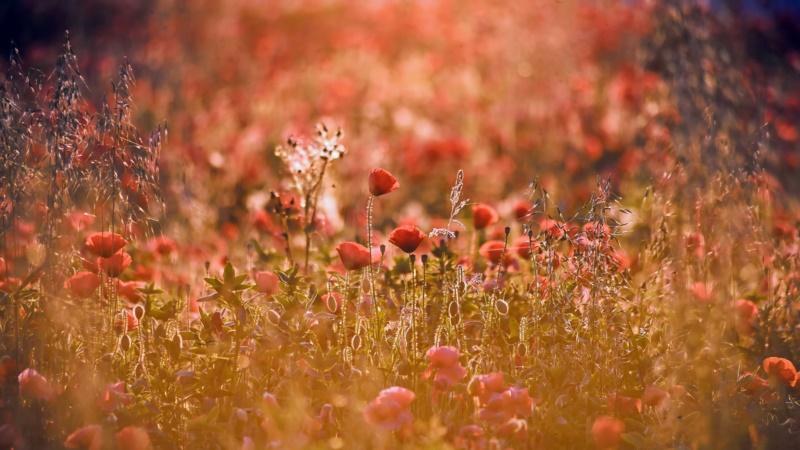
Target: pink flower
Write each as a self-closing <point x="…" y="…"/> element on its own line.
<point x="444" y="361"/>
<point x="128" y="289"/>
<point x="487" y="386"/>
<point x="623" y="405"/>
<point x="389" y="411"/>
<point x="746" y="316"/>
<point x="112" y="396"/>
<point x="32" y="385"/>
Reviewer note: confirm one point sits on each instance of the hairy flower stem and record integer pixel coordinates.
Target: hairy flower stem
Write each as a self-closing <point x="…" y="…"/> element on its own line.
<point x="314" y="192"/>
<point x="370" y="275"/>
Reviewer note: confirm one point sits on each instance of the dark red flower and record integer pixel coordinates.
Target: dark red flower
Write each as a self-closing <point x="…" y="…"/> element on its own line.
<point x="105" y="243"/>
<point x="82" y="284"/>
<point x="521" y="209"/>
<point x="406" y="237"/>
<point x="114" y="265"/>
<point x="382" y="182"/>
<point x="35" y="386"/>
<point x="483" y="215"/>
<point x="355" y="256"/>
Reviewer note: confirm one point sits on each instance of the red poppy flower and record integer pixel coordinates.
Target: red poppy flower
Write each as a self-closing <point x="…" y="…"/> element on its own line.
<point x="130" y="321"/>
<point x="105" y="243"/>
<point x="389" y="411"/>
<point x="656" y="397"/>
<point x="163" y="245"/>
<point x="89" y="437"/>
<point x="493" y="251"/>
<point x="382" y="182"/>
<point x="114" y="265"/>
<point x="552" y="228"/>
<point x="485" y="387"/>
<point x="133" y="438"/>
<point x="746" y="316"/>
<point x="623" y="405"/>
<point x="780" y="369"/>
<point x="521" y="209"/>
<point x="607" y="432"/>
<point x="407" y="237"/>
<point x="355" y="256"/>
<point x="483" y="215"/>
<point x="82" y="284"/>
<point x="128" y="289"/>
<point x="34" y="386"/>
<point x="267" y="282"/>
<point x="523" y="245"/>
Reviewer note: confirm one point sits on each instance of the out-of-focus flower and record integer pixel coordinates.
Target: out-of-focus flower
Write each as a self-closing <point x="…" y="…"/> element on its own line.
<point x="105" y="243"/>
<point x="486" y="386"/>
<point x="267" y="282"/>
<point x="657" y="398"/>
<point x="163" y="245"/>
<point x="114" y="265"/>
<point x="746" y="315"/>
<point x="382" y="182"/>
<point x="32" y="385"/>
<point x="607" y="432"/>
<point x="112" y="396"/>
<point x="128" y="289"/>
<point x="470" y="437"/>
<point x="623" y="405"/>
<point x="552" y="228"/>
<point x="355" y="256"/>
<point x="444" y="363"/>
<point x="133" y="438"/>
<point x="493" y="251"/>
<point x="521" y="209"/>
<point x="389" y="411"/>
<point x="695" y="244"/>
<point x="82" y="284"/>
<point x="523" y="246"/>
<point x="483" y="215"/>
<point x="89" y="437"/>
<point x="406" y="237"/>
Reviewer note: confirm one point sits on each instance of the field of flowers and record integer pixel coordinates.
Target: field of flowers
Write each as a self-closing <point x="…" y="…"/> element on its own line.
<point x="393" y="224"/>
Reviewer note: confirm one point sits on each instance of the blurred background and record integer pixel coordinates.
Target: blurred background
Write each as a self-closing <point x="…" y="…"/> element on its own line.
<point x="565" y="91"/>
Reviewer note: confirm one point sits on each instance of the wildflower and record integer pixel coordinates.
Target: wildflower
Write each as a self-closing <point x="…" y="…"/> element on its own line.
<point x="493" y="251"/>
<point x="355" y="256"/>
<point x="32" y="385"/>
<point x="483" y="215"/>
<point x="746" y="315"/>
<point x="523" y="245"/>
<point x="486" y="386"/>
<point x="267" y="282"/>
<point x="695" y="244"/>
<point x="133" y="438"/>
<point x="382" y="182"/>
<point x="127" y="323"/>
<point x="656" y="397"/>
<point x="444" y="361"/>
<point x="607" y="432"/>
<point x="82" y="284"/>
<point x="389" y="411"/>
<point x="780" y="369"/>
<point x="114" y="265"/>
<point x="105" y="244"/>
<point x="702" y="292"/>
<point x="521" y="209"/>
<point x="129" y="290"/>
<point x="514" y="429"/>
<point x="551" y="228"/>
<point x="163" y="245"/>
<point x="406" y="237"/>
<point x="517" y="403"/>
<point x="112" y="396"/>
<point x="623" y="405"/>
<point x="470" y="437"/>
<point x="89" y="437"/>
